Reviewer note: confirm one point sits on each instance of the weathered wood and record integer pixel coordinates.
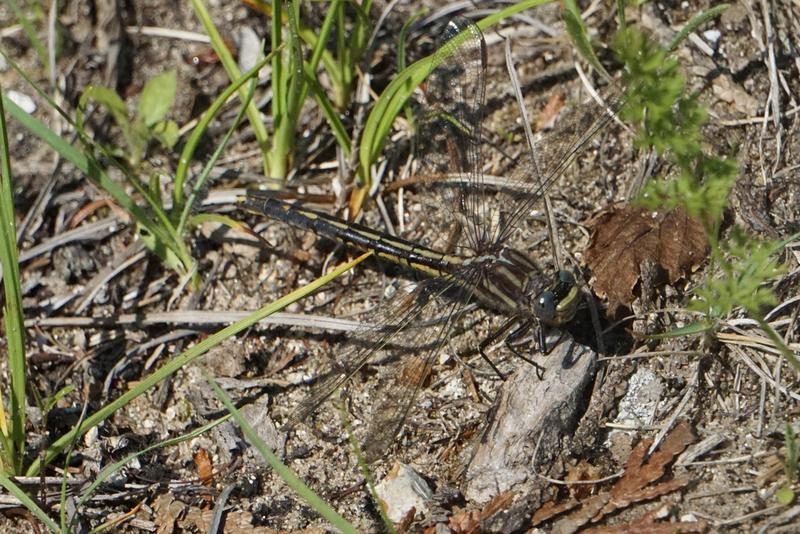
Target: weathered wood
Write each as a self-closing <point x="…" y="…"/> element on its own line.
<point x="530" y="410"/>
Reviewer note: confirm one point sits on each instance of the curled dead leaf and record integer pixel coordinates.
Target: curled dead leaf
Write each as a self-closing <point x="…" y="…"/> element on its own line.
<point x="625" y="237"/>
<point x="582" y="472"/>
<point x="465" y="522"/>
<point x="204" y="467"/>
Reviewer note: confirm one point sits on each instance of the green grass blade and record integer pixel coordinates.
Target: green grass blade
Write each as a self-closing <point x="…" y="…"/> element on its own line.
<point x="306" y="493"/>
<point x="785" y="351"/>
<point x="289" y="91"/>
<point x="297" y="90"/>
<point x="621" y="4"/>
<point x="386" y="108"/>
<point x="363" y="466"/>
<point x="230" y="222"/>
<point x="318" y="42"/>
<point x="159" y="227"/>
<point x="182" y="360"/>
<point x="217" y="43"/>
<point x="694" y="23"/>
<point x="200" y="181"/>
<point x="580" y="36"/>
<point x="695" y="327"/>
<point x="325" y="104"/>
<point x="13" y="441"/>
<point x="401" y="55"/>
<point x="193" y="141"/>
<point x="28" y="503"/>
<point x="30" y="32"/>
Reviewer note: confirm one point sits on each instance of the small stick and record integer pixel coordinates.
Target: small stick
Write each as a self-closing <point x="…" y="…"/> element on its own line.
<point x="552" y="229"/>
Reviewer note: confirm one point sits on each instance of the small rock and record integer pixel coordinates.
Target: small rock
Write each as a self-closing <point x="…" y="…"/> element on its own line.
<point x="249" y="48"/>
<point x="90" y="439"/>
<point x="402" y="489"/>
<point x="257" y="415"/>
<point x="733" y="94"/>
<point x="638" y="407"/>
<point x="22" y="100"/>
<point x="712" y="36"/>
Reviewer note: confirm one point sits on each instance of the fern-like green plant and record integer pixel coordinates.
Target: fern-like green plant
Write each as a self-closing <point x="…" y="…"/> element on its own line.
<point x="670" y="121"/>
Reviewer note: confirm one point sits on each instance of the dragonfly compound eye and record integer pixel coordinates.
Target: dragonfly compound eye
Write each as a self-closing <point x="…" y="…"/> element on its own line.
<point x="545" y="306"/>
<point x="566" y="277"/>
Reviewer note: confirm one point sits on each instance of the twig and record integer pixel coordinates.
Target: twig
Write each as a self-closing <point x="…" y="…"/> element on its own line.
<point x="763" y="375"/>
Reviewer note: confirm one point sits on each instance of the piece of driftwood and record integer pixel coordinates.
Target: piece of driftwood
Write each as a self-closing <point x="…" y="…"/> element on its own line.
<point x="530" y="410"/>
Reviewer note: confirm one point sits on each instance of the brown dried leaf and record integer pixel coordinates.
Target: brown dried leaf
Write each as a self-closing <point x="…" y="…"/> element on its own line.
<point x="647" y="525"/>
<point x="204" y="467"/>
<point x="624" y="237"/>
<point x="588" y="510"/>
<point x="498" y="503"/>
<point x="639" y="474"/>
<point x="674" y="443"/>
<point x="550" y="509"/>
<point x="634" y="486"/>
<point x="402" y="527"/>
<point x="465" y="522"/>
<point x="549" y="112"/>
<point x="651" y="492"/>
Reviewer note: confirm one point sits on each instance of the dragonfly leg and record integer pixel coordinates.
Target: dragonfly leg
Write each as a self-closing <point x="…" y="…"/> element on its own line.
<point x="523" y="328"/>
<point x="542" y="339"/>
<point x="494" y="336"/>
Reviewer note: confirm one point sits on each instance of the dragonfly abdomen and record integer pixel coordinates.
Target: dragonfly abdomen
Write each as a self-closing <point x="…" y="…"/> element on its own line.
<point x="385" y="246"/>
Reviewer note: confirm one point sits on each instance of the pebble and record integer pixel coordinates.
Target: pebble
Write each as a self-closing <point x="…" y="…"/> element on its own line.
<point x="402" y="489"/>
<point x="22" y="100"/>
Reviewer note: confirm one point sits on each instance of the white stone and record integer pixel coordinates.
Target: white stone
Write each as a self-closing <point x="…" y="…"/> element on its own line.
<point x="402" y="489"/>
<point x="22" y="100"/>
<point x="712" y="36"/>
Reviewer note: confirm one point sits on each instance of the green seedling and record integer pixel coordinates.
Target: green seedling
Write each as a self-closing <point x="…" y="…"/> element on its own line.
<point x="148" y="124"/>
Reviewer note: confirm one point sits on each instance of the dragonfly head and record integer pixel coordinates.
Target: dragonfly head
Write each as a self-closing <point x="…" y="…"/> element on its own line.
<point x="557" y="304"/>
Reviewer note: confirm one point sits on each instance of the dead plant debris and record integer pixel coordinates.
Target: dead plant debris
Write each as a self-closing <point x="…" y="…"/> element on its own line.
<point x="468" y="521"/>
<point x="625" y="236"/>
<point x="636" y="485"/>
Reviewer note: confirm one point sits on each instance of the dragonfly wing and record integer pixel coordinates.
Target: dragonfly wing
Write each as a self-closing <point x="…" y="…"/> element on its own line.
<point x="448" y="140"/>
<point x="553" y="152"/>
<point x="398" y="397"/>
<point x="397" y="315"/>
<point x="450" y="143"/>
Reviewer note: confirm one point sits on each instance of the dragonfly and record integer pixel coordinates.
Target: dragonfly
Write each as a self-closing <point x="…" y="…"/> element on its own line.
<point x="483" y="267"/>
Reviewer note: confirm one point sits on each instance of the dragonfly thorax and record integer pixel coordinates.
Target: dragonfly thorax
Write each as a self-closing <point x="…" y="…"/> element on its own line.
<point x="511" y="283"/>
